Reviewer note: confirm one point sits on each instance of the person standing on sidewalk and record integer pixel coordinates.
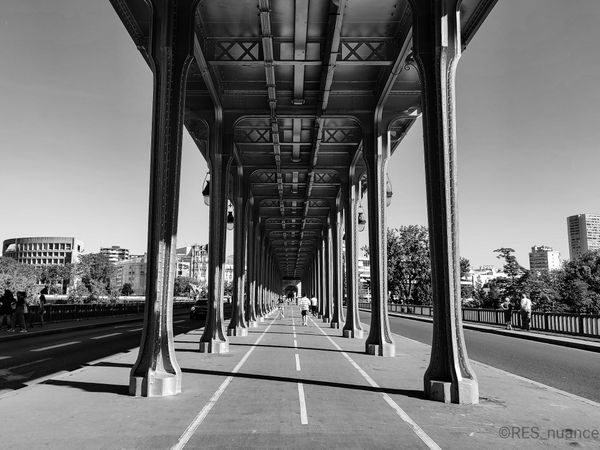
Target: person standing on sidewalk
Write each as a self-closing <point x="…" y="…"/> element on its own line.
<point x="6" y="309"/>
<point x="42" y="310"/>
<point x="508" y="307"/>
<point x="20" y="311"/>
<point x="526" y="312"/>
<point x="304" y="304"/>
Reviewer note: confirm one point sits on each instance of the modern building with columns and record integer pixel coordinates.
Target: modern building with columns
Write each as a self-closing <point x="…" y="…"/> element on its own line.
<point x="297" y="107"/>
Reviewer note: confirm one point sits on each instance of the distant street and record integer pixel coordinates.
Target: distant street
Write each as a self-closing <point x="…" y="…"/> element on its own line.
<point x="572" y="370"/>
<point x="31" y="358"/>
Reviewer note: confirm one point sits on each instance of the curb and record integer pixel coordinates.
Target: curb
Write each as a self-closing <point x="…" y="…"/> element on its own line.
<point x="581" y="345"/>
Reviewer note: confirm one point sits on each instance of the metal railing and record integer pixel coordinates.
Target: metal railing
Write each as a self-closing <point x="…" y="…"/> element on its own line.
<point x="72" y="311"/>
<point x="565" y="323"/>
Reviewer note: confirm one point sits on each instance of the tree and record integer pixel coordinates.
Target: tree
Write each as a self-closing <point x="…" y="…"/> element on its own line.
<point x="579" y="283"/>
<point x="513" y="270"/>
<point x="465" y="267"/>
<point x="409" y="266"/>
<point x="95" y="271"/>
<point x="182" y="286"/>
<point x="18" y="277"/>
<point x="127" y="289"/>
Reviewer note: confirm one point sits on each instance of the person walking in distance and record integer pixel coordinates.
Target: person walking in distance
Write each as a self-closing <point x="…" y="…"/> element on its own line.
<point x="313" y="306"/>
<point x="6" y="309"/>
<point x="507" y="306"/>
<point x="526" y="312"/>
<point x="304" y="304"/>
<point x="42" y="309"/>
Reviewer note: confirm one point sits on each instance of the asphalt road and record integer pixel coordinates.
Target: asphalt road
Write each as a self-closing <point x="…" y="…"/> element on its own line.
<point x="571" y="370"/>
<point x="29" y="360"/>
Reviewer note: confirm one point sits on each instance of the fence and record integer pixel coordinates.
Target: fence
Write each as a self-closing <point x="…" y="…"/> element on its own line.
<point x="575" y="324"/>
<point x="72" y="311"/>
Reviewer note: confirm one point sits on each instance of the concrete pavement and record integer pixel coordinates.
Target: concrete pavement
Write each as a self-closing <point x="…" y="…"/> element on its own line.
<point x="288" y="386"/>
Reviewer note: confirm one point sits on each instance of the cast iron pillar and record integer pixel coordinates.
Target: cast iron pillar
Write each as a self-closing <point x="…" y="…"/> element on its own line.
<point x="437" y="48"/>
<point x="352" y="327"/>
<point x="321" y="278"/>
<point x="213" y="339"/>
<point x="327" y="268"/>
<point x="252" y="269"/>
<point x="337" y="318"/>
<point x="375" y="154"/>
<point x="237" y="324"/>
<point x="156" y="372"/>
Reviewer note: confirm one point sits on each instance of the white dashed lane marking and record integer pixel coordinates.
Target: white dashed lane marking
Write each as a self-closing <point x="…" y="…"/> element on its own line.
<point x="50" y="347"/>
<point x="106" y="335"/>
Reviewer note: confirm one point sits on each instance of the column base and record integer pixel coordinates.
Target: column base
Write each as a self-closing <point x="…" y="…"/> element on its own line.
<point x="325" y="319"/>
<point x="385" y="349"/>
<point x="155" y="385"/>
<point x="319" y="316"/>
<point x="261" y="319"/>
<point x="466" y="392"/>
<point x="214" y="346"/>
<point x="237" y="331"/>
<point x="354" y="334"/>
<point x="334" y="324"/>
<point x="252" y="324"/>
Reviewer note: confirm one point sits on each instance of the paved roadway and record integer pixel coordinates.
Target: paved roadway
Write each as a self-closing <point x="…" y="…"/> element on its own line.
<point x="34" y="358"/>
<point x="569" y="369"/>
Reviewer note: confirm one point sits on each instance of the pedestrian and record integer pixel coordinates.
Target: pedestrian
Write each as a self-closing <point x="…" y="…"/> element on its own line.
<point x="42" y="309"/>
<point x="304" y="304"/>
<point x="508" y="307"/>
<point x="6" y="309"/>
<point x="525" y="312"/>
<point x="20" y="311"/>
<point x="281" y="308"/>
<point x="313" y="306"/>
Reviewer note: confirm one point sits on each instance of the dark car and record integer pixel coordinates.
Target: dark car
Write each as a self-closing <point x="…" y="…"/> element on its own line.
<point x="198" y="311"/>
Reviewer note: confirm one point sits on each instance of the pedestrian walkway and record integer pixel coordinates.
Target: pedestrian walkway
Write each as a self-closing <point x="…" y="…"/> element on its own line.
<point x="289" y="386"/>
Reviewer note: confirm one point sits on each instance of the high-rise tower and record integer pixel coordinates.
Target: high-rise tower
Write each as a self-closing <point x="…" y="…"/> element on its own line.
<point x="584" y="233"/>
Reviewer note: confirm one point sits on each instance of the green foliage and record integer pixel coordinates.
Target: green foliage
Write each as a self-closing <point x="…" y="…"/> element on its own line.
<point x="409" y="265"/>
<point x="465" y="266"/>
<point x="182" y="286"/>
<point x="579" y="283"/>
<point x="19" y="277"/>
<point x="78" y="294"/>
<point x="94" y="271"/>
<point x="57" y="277"/>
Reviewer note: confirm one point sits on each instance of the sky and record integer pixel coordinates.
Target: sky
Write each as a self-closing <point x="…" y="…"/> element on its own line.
<point x="75" y="119"/>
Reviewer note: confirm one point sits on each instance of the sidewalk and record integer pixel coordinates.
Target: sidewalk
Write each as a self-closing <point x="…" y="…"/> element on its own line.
<point x="565" y="340"/>
<point x="288" y="386"/>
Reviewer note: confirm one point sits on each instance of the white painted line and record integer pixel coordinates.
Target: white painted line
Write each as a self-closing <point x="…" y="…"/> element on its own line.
<point x="295" y="343"/>
<point x="55" y="346"/>
<point x="303" y="415"/>
<point x="405" y="417"/>
<point x="191" y="429"/>
<point x="297" y="362"/>
<point x="136" y="329"/>
<point x="122" y="326"/>
<point x="106" y="335"/>
<point x="179" y="321"/>
<point x="28" y="364"/>
<point x="5" y="357"/>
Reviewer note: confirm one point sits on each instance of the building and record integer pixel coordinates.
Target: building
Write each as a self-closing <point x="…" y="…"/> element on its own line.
<point x="132" y="271"/>
<point x="192" y="262"/>
<point x="543" y="259"/>
<point x="43" y="251"/>
<point x="479" y="276"/>
<point x="364" y="278"/>
<point x="115" y="253"/>
<point x="584" y="233"/>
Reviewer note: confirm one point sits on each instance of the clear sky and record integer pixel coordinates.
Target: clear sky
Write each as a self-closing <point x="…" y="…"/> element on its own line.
<point x="75" y="117"/>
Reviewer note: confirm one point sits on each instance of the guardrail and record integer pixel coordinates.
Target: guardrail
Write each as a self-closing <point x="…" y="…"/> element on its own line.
<point x="76" y="311"/>
<point x="575" y="324"/>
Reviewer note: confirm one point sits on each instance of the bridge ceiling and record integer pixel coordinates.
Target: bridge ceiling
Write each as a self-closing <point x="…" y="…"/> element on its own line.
<point x="298" y="76"/>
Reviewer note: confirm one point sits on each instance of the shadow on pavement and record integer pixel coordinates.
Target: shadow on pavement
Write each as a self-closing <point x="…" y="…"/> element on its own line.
<point x="292" y="347"/>
<point x="91" y="387"/>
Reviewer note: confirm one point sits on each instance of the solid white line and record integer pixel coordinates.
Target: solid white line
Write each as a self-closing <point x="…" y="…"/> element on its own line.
<point x="5" y="357"/>
<point x="137" y="329"/>
<point x="303" y="415"/>
<point x="405" y="417"/>
<point x="179" y="321"/>
<point x="295" y="343"/>
<point x="191" y="429"/>
<point x="297" y="362"/>
<point x="106" y="335"/>
<point x="55" y="346"/>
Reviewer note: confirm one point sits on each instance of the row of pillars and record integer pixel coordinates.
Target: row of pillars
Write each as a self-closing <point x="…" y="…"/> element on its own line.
<point x="436" y="50"/>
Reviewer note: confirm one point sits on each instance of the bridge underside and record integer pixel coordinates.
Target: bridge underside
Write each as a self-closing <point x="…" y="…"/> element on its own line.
<point x="297" y="105"/>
